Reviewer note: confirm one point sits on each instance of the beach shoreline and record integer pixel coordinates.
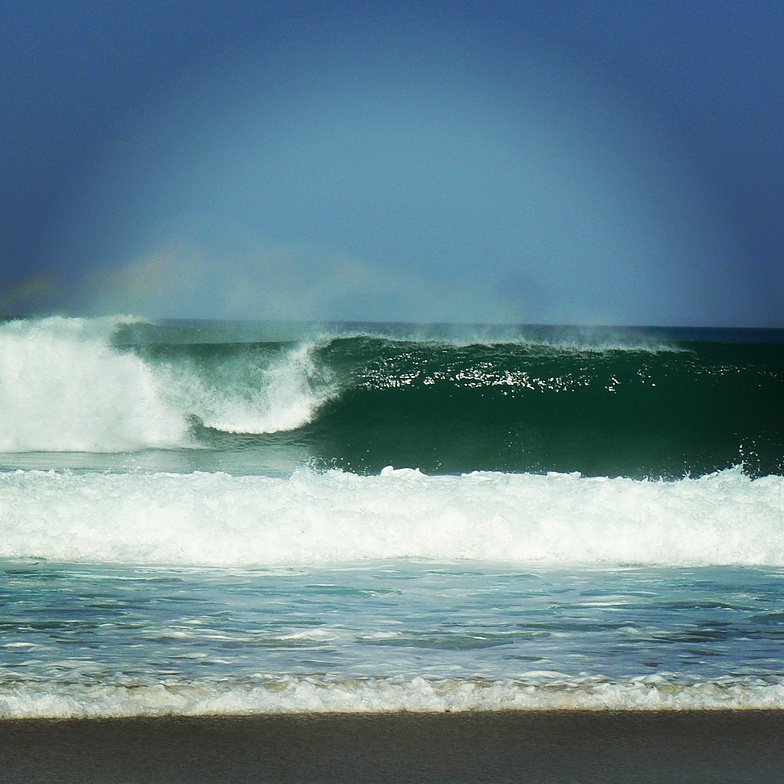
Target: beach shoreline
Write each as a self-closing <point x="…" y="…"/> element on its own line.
<point x="504" y="746"/>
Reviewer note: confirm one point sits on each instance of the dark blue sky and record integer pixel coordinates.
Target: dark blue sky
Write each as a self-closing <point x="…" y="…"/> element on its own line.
<point x="564" y="162"/>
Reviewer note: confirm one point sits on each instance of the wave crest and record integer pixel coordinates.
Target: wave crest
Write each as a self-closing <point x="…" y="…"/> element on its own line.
<point x="65" y="387"/>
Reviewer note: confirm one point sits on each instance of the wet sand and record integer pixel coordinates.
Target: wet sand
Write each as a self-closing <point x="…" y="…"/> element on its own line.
<point x="552" y="747"/>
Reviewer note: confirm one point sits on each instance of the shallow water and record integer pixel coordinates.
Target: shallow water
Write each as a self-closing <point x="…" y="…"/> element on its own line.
<point x="385" y="635"/>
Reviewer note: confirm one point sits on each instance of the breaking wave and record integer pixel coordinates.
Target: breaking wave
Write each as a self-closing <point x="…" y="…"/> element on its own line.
<point x="318" y="518"/>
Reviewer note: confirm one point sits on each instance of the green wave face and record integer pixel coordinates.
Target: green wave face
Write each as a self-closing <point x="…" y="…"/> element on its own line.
<point x="690" y="409"/>
<point x="513" y="408"/>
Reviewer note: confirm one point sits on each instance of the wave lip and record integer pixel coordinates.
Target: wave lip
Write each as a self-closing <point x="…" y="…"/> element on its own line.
<point x="64" y="387"/>
<point x="319" y="518"/>
<point x="248" y="396"/>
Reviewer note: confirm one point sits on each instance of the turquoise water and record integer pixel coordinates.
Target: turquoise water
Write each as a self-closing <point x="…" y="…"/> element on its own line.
<point x="207" y="518"/>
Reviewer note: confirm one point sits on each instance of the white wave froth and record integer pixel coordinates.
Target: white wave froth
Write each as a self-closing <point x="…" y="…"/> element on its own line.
<point x="316" y="518"/>
<point x="63" y="388"/>
<point x="279" y="395"/>
<point x="268" y="695"/>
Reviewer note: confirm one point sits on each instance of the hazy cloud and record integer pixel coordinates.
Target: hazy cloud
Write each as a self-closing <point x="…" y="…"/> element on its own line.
<point x="292" y="282"/>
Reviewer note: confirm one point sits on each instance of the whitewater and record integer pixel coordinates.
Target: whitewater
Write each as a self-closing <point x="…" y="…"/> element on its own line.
<point x="207" y="517"/>
<point x="316" y="518"/>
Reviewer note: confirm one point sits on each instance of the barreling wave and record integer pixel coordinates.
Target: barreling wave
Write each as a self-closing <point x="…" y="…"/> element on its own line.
<point x="321" y="518"/>
<point x="355" y="399"/>
<point x="66" y="387"/>
<point x="249" y="391"/>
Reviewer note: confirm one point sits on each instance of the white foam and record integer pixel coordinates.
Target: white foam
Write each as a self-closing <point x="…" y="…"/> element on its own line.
<point x="314" y="518"/>
<point x="62" y="388"/>
<point x="269" y="695"/>
<point x="281" y="395"/>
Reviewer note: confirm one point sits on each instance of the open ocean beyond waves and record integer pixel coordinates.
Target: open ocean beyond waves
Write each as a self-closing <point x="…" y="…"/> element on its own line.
<point x="204" y="517"/>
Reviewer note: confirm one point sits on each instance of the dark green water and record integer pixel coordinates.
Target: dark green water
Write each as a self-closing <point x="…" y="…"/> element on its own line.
<point x="648" y="404"/>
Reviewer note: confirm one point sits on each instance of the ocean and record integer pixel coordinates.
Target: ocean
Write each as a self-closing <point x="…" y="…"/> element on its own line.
<point x="202" y="518"/>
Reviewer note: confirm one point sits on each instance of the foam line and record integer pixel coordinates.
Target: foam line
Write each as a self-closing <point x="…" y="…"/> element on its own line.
<point x="268" y="695"/>
<point x="315" y="518"/>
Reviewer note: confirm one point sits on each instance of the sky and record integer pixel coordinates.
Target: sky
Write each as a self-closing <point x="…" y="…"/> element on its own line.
<point x="560" y="162"/>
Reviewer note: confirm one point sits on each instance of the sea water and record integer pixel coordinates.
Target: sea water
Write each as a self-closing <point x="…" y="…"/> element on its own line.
<point x="201" y="518"/>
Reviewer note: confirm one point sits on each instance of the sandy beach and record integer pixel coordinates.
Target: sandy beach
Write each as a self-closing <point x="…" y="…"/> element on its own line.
<point x="606" y="747"/>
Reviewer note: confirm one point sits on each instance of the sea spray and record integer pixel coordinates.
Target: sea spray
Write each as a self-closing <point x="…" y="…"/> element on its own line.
<point x="250" y="391"/>
<point x="63" y="388"/>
